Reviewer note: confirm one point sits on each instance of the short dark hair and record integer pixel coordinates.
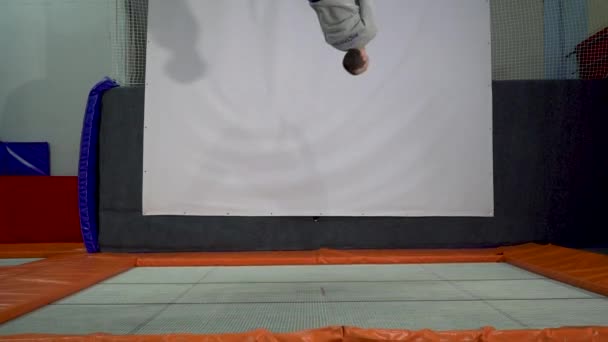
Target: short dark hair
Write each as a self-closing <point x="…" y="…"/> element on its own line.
<point x="353" y="61"/>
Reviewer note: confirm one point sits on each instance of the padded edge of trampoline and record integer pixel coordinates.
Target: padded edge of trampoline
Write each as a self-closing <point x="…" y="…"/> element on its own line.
<point x="336" y="334"/>
<point x="582" y="269"/>
<point x="321" y="257"/>
<point x="43" y="282"/>
<point x="39" y="250"/>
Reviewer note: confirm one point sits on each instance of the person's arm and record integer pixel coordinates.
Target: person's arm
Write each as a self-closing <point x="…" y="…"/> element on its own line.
<point x="366" y="11"/>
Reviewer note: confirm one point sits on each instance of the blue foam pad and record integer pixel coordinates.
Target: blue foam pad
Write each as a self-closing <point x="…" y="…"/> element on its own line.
<point x="88" y="166"/>
<point x="25" y="159"/>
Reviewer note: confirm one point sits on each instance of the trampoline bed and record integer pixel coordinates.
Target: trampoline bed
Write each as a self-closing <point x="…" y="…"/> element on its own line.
<point x="530" y="292"/>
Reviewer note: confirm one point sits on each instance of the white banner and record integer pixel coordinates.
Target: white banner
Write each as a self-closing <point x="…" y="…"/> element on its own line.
<point x="250" y="113"/>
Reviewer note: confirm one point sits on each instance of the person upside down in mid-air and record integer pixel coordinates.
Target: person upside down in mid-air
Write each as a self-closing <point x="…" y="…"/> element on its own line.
<point x="348" y="25"/>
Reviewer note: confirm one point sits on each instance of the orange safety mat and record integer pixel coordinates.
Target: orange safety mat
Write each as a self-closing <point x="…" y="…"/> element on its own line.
<point x="578" y="268"/>
<point x="320" y="257"/>
<point x="39" y="250"/>
<point x="336" y="334"/>
<point x="31" y="286"/>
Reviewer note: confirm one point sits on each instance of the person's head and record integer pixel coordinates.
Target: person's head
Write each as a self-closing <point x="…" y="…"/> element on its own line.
<point x="355" y="61"/>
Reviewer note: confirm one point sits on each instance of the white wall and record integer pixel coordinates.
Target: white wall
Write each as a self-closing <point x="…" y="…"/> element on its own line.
<point x="53" y="51"/>
<point x="517" y="39"/>
<point x="598" y="15"/>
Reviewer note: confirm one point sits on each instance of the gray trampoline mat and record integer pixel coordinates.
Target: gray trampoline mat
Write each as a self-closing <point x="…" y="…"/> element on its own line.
<point x="17" y="262"/>
<point x="204" y="300"/>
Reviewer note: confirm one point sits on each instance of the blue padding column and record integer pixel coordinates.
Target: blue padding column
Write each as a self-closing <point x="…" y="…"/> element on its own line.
<point x="88" y="166"/>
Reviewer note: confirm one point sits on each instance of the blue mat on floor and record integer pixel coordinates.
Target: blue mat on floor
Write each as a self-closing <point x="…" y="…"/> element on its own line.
<point x="25" y="159"/>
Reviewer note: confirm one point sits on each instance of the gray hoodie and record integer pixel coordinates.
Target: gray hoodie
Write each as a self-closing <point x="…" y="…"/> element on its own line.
<point x="346" y="24"/>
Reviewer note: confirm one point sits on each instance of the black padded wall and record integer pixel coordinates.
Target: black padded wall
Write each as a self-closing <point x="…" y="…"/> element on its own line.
<point x="549" y="167"/>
